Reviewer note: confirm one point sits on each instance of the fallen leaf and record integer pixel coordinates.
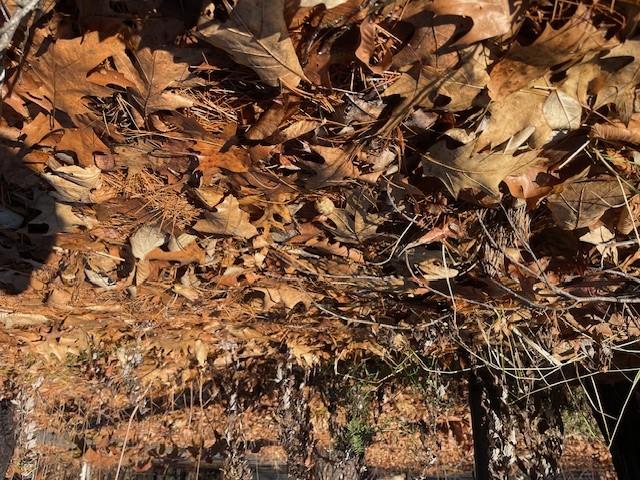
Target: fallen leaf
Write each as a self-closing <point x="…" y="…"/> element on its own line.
<point x="452" y="90"/>
<point x="431" y="264"/>
<point x="329" y="4"/>
<point x="145" y="240"/>
<point x="228" y="219"/>
<point x="255" y="35"/>
<point x="600" y="237"/>
<point x="619" y="86"/>
<point x="366" y="48"/>
<point x="462" y="169"/>
<point x="73" y="183"/>
<point x="491" y="18"/>
<point x="570" y="43"/>
<point x="430" y="35"/>
<point x="83" y="142"/>
<point x="61" y="73"/>
<point x="337" y="166"/>
<point x="617" y="131"/>
<point x="562" y="111"/>
<point x="212" y="155"/>
<point x="582" y="202"/>
<point x="153" y="72"/>
<point x="268" y="122"/>
<point x="514" y="113"/>
<point x="284" y="295"/>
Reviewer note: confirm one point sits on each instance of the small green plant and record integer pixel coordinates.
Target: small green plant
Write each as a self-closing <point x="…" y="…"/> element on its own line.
<point x="577" y="417"/>
<point x="358" y="433"/>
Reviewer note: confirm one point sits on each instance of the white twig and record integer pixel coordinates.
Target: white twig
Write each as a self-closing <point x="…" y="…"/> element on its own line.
<point x="8" y="30"/>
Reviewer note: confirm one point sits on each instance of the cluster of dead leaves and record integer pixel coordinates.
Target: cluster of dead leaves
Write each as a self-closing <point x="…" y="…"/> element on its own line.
<point x="317" y="163"/>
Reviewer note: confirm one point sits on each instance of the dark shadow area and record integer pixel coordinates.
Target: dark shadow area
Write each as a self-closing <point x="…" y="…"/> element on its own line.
<point x="29" y="220"/>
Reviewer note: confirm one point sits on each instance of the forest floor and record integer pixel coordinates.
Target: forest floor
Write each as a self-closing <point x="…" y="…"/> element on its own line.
<point x="374" y="200"/>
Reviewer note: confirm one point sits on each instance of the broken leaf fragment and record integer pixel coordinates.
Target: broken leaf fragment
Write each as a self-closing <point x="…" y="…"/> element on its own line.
<point x="620" y="85"/>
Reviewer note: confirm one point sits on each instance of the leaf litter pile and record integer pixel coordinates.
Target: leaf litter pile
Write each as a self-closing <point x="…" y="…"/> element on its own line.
<point x="270" y="228"/>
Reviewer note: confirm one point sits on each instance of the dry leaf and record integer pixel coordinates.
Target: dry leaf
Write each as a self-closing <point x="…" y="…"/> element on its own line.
<point x="429" y="37"/>
<point x="61" y="73"/>
<point x="523" y="64"/>
<point x="461" y="169"/>
<point x="146" y="239"/>
<point x="228" y="219"/>
<point x="513" y="114"/>
<point x="74" y="183"/>
<point x="213" y="156"/>
<point x="562" y="111"/>
<point x="153" y="72"/>
<point x="366" y="48"/>
<point x="491" y="18"/>
<point x="600" y="237"/>
<point x="431" y="264"/>
<point x="83" y="142"/>
<point x="284" y="295"/>
<point x="584" y="201"/>
<point x="329" y="4"/>
<point x="268" y="123"/>
<point x="337" y="166"/>
<point x="255" y="35"/>
<point x="616" y="131"/>
<point x="619" y="86"/>
<point x="453" y="90"/>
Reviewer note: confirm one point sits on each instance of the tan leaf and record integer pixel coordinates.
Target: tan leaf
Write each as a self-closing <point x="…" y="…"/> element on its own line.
<point x="569" y="43"/>
<point x="284" y="295"/>
<point x="294" y="130"/>
<point x="428" y="38"/>
<point x="423" y="86"/>
<point x="532" y="183"/>
<point x="431" y="264"/>
<point x="39" y="128"/>
<point x="201" y="352"/>
<point x="584" y="201"/>
<point x="491" y="18"/>
<point x="367" y="45"/>
<point x="74" y="183"/>
<point x="61" y="73"/>
<point x="268" y="123"/>
<point x="562" y="111"/>
<point x="514" y="113"/>
<point x="461" y="169"/>
<point x="228" y="219"/>
<point x="600" y="237"/>
<point x="186" y="253"/>
<point x="255" y="35"/>
<point x="336" y="168"/>
<point x="616" y="131"/>
<point x="145" y="240"/>
<point x="619" y="86"/>
<point x="83" y="142"/>
<point x="153" y="72"/>
<point x="329" y="4"/>
<point x="213" y="156"/>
